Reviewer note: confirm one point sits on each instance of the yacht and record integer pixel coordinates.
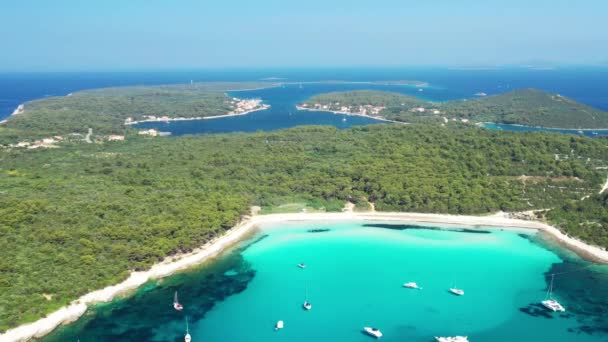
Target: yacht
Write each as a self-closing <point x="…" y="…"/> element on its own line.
<point x="373" y="332"/>
<point x="551" y="303"/>
<point x="412" y="285"/>
<point x="302" y="265"/>
<point x="452" y="339"/>
<point x="457" y="292"/>
<point x="176" y="305"/>
<point x="279" y="325"/>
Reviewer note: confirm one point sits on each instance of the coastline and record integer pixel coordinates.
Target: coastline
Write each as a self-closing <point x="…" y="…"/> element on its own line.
<point x="19" y="110"/>
<point x="263" y="107"/>
<point x="543" y="127"/>
<point x="349" y="114"/>
<point x="177" y="263"/>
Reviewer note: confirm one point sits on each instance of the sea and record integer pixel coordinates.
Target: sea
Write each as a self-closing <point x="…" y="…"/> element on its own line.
<point x="354" y="278"/>
<point x="588" y="85"/>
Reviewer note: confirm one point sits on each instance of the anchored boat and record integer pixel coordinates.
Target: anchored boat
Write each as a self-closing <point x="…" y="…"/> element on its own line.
<point x="187" y="338"/>
<point x="551" y="303"/>
<point x="176" y="305"/>
<point x="374" y="332"/>
<point x="412" y="285"/>
<point x="452" y="339"/>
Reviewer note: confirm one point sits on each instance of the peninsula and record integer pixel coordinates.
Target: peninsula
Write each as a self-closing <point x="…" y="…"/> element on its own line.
<point x="527" y="107"/>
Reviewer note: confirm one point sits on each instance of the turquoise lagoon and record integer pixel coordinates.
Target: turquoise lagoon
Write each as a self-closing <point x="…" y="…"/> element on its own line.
<point x="354" y="277"/>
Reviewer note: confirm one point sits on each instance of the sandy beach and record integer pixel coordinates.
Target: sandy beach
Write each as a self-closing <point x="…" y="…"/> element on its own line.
<point x="178" y="263"/>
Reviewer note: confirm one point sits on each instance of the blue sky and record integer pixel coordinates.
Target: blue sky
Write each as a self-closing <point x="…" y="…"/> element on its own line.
<point x="178" y="34"/>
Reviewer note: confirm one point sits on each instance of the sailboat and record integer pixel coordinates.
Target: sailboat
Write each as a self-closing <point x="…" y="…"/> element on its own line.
<point x="307" y="306"/>
<point x="187" y="338"/>
<point x="551" y="303"/>
<point x="176" y="305"/>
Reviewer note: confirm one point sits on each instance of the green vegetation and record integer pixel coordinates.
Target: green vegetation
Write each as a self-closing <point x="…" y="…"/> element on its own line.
<point x="80" y="217"/>
<point x="105" y="110"/>
<point x="587" y="219"/>
<point x="532" y="108"/>
<point x="525" y="107"/>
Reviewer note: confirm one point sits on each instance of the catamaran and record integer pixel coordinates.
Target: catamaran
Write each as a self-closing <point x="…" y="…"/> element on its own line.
<point x="551" y="303"/>
<point x="452" y="339"/>
<point x="412" y="285"/>
<point x="307" y="305"/>
<point x="187" y="338"/>
<point x="176" y="305"/>
<point x="373" y="332"/>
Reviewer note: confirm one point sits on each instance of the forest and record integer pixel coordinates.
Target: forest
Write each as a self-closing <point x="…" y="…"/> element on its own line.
<point x="524" y="107"/>
<point x="80" y="217"/>
<point x="105" y="110"/>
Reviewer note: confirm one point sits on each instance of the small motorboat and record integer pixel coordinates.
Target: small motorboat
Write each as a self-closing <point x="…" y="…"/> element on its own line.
<point x="412" y="285"/>
<point x="457" y="292"/>
<point x="373" y="332"/>
<point x="176" y="305"/>
<point x="279" y="325"/>
<point x="307" y="305"/>
<point x="302" y="265"/>
<point x="452" y="339"/>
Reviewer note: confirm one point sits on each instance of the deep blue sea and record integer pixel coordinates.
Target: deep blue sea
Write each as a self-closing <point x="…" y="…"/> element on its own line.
<point x="587" y="85"/>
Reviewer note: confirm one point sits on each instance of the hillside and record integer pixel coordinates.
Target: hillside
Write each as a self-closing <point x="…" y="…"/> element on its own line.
<point x="83" y="215"/>
<point x="524" y="107"/>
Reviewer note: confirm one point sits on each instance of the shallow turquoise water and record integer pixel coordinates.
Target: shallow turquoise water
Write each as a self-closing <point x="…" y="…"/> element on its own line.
<point x="354" y="276"/>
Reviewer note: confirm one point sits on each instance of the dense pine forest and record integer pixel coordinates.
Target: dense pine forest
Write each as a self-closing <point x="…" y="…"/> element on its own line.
<point x="77" y="218"/>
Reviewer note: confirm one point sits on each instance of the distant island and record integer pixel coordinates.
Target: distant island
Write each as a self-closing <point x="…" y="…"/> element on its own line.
<point x="528" y="107"/>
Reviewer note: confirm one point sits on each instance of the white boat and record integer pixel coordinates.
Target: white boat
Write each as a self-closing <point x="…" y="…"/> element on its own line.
<point x="373" y="332"/>
<point x="279" y="325"/>
<point x="551" y="303"/>
<point x="176" y="305"/>
<point x="457" y="292"/>
<point x="412" y="285"/>
<point x="187" y="338"/>
<point x="307" y="306"/>
<point x="452" y="339"/>
<point x="302" y="265"/>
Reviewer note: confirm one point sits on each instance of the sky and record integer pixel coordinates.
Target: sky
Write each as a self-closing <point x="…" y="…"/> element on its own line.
<point x="63" y="35"/>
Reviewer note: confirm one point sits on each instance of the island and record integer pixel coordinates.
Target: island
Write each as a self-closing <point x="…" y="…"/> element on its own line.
<point x="527" y="107"/>
<point x="86" y="216"/>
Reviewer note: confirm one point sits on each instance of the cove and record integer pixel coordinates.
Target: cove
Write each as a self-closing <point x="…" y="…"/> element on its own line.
<point x="354" y="277"/>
